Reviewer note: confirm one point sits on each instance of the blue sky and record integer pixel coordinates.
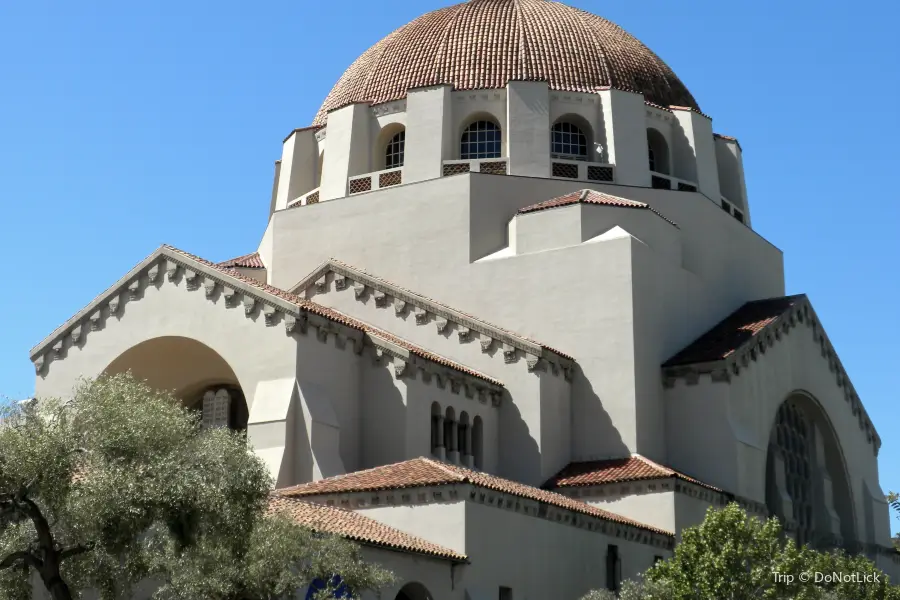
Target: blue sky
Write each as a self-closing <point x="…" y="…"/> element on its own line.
<point x="129" y="125"/>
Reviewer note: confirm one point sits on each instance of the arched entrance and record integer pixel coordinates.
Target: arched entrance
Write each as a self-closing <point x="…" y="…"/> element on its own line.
<point x="807" y="486"/>
<point x="414" y="591"/>
<point x="193" y="372"/>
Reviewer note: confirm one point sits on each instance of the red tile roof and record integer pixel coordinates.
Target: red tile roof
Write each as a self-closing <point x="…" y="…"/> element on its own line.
<point x="357" y="527"/>
<point x="247" y="261"/>
<point x="427" y="472"/>
<point x="617" y="470"/>
<point x="484" y="44"/>
<point x="737" y="329"/>
<point x="339" y="317"/>
<point x="589" y="197"/>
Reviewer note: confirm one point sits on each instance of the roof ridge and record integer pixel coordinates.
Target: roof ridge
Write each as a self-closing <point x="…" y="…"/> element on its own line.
<point x="446" y="468"/>
<point x="653" y="463"/>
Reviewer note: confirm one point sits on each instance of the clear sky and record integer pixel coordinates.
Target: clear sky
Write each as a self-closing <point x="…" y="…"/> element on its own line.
<point x="125" y="125"/>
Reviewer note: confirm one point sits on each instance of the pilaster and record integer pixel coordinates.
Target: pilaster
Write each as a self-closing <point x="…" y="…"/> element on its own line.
<point x="296" y="174"/>
<point x="429" y="122"/>
<point x="347" y="151"/>
<point x="625" y="123"/>
<point x="528" y="128"/>
<point x="695" y="151"/>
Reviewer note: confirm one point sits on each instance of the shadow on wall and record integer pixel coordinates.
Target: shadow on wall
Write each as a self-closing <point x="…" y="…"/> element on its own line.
<point x="383" y="416"/>
<point x="593" y="434"/>
<point x="684" y="158"/>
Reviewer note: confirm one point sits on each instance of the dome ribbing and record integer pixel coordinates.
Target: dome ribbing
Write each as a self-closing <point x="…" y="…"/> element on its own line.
<point x="484" y="44"/>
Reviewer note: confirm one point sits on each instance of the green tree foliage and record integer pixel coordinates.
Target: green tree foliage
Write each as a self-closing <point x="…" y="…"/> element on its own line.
<point x="730" y="556"/>
<point x="894" y="500"/>
<point x="120" y="484"/>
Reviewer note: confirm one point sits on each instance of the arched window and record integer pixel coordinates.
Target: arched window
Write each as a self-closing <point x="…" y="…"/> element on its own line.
<point x="463" y="436"/>
<point x="393" y="153"/>
<point x="568" y="141"/>
<point x="658" y="152"/>
<point x="481" y="139"/>
<point x="478" y="443"/>
<point x="806" y="481"/>
<point x="222" y="406"/>
<point x="450" y="430"/>
<point x="437" y="424"/>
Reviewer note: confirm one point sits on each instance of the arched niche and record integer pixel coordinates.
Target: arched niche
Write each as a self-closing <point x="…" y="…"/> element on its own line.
<point x="807" y="483"/>
<point x="189" y="369"/>
<point x="413" y="591"/>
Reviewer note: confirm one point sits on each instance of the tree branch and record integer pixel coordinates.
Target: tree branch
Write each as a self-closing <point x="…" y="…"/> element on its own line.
<point x="75" y="551"/>
<point x="25" y="557"/>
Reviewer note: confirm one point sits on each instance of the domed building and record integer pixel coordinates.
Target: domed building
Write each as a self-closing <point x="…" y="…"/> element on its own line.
<point x="509" y="325"/>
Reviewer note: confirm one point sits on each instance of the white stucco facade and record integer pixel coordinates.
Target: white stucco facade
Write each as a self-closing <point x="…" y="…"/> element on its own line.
<point x="515" y="280"/>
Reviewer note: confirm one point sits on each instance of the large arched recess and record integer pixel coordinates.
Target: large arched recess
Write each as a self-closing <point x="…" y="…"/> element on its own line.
<point x="183" y="366"/>
<point x="801" y="427"/>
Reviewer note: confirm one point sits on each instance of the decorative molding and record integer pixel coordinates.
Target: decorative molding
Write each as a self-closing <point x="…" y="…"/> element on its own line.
<point x="114" y="305"/>
<point x="296" y="318"/>
<point x="537" y="509"/>
<point x="389" y="108"/>
<point x="801" y="313"/>
<point x="466" y="324"/>
<point x="134" y="289"/>
<point x="210" y="285"/>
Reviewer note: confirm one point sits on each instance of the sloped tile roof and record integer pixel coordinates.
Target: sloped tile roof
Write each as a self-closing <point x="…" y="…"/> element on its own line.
<point x="617" y="470"/>
<point x="357" y="527"/>
<point x="734" y="331"/>
<point x="339" y="317"/>
<point x="247" y="261"/>
<point x="484" y="44"/>
<point x="348" y="268"/>
<point x="427" y="472"/>
<point x="590" y="197"/>
<point x="302" y="304"/>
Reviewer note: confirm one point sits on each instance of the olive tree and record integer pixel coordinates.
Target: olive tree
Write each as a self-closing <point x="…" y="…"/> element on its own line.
<point x="120" y="484"/>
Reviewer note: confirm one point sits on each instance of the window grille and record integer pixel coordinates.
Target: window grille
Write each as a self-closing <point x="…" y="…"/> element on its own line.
<point x="456" y="168"/>
<point x="216" y="409"/>
<point x="660" y="183"/>
<point x="496" y="167"/>
<point x="481" y="139"/>
<point x="393" y="154"/>
<point x="389" y="179"/>
<point x="568" y="141"/>
<point x="363" y="184"/>
<point x="600" y="173"/>
<point x="565" y="170"/>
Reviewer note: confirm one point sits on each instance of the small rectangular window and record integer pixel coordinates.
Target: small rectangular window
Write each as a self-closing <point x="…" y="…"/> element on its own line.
<point x="505" y="593"/>
<point x="739" y="215"/>
<point x="613" y="568"/>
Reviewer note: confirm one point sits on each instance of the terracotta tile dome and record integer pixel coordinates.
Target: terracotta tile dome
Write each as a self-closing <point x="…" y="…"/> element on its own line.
<point x="483" y="44"/>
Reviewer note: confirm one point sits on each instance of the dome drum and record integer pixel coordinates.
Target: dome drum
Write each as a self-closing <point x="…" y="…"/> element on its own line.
<point x="609" y="136"/>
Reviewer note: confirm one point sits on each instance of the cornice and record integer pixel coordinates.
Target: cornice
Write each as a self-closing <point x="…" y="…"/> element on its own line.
<point x="801" y="314"/>
<point x="389" y="108"/>
<point x="459" y="492"/>
<point x="664" y="484"/>
<point x="170" y="266"/>
<point x="574" y="97"/>
<point x="344" y="276"/>
<point x="476" y="95"/>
